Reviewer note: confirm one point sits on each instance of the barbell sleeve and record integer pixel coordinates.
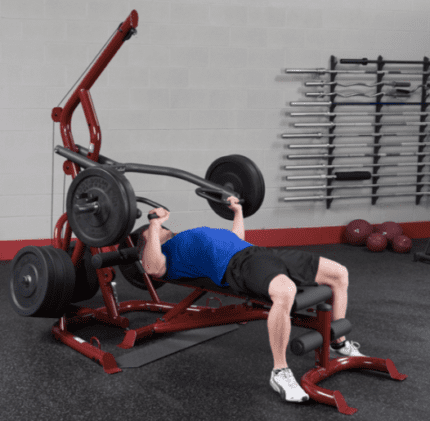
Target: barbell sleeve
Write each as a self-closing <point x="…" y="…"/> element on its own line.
<point x="102" y="159"/>
<point x="319" y="198"/>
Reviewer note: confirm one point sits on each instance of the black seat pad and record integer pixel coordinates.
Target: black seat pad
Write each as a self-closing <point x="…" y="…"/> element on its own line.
<point x="306" y="296"/>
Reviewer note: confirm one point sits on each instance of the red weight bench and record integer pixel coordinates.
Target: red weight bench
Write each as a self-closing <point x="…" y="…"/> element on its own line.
<point x="184" y="315"/>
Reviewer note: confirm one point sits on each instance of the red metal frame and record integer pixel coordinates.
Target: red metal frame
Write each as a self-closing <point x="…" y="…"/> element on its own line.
<point x="177" y="316"/>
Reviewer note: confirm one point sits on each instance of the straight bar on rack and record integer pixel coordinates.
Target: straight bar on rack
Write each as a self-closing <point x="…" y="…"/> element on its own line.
<point x="319" y="198"/>
<point x="359" y="114"/>
<point x="354" y="186"/>
<point x="393" y="84"/>
<point x="320" y="135"/>
<point x="334" y="104"/>
<point x="363" y="124"/>
<point x="344" y="176"/>
<point x="356" y="155"/>
<point x="322" y="71"/>
<point x="319" y="166"/>
<point x="357" y="145"/>
<point x="365" y="61"/>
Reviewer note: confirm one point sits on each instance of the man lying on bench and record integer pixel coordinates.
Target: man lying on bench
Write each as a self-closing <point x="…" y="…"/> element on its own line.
<point x="228" y="260"/>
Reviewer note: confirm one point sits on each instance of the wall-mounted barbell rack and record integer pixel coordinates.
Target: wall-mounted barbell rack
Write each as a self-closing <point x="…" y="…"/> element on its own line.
<point x="335" y="98"/>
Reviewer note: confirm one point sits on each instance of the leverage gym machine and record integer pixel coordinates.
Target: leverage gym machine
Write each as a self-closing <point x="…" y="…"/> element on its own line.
<point x="102" y="210"/>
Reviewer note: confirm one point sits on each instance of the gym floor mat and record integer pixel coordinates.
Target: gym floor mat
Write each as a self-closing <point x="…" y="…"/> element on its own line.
<point x="164" y="346"/>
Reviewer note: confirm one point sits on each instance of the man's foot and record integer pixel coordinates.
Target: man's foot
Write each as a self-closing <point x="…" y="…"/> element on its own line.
<point x="283" y="382"/>
<point x="349" y="349"/>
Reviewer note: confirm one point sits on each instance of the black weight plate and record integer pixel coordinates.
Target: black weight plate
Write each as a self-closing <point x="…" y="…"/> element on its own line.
<point x="132" y="272"/>
<point x="87" y="282"/>
<point x="246" y="180"/>
<point x="30" y="278"/>
<point x="63" y="282"/>
<point x="42" y="282"/>
<point x="131" y="203"/>
<point x="117" y="207"/>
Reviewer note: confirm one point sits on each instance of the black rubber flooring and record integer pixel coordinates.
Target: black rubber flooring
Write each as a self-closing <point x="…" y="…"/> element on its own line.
<point x="227" y="378"/>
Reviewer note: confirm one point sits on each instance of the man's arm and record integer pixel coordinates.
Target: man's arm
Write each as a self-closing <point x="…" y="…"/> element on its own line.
<point x="153" y="261"/>
<point x="238" y="224"/>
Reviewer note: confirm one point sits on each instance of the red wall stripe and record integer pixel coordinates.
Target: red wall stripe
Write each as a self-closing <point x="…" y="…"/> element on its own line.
<point x="287" y="237"/>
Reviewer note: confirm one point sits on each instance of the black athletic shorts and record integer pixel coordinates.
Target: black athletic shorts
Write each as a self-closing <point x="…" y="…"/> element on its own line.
<point x="252" y="269"/>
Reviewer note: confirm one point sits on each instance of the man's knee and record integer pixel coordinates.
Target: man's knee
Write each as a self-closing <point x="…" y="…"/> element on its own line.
<point x="282" y="290"/>
<point x="343" y="276"/>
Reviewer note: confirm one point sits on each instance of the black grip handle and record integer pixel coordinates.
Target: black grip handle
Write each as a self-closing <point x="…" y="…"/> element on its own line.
<point x="353" y="175"/>
<point x="362" y="61"/>
<point x="114" y="258"/>
<point x="401" y="84"/>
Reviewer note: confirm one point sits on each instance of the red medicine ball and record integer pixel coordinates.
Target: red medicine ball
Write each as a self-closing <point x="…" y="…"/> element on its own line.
<point x="357" y="232"/>
<point x="402" y="244"/>
<point x="390" y="229"/>
<point x="376" y="242"/>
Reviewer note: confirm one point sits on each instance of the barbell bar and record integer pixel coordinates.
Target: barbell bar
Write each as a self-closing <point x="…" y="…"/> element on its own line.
<point x="358" y="114"/>
<point x="84" y="162"/>
<point x="357" y="145"/>
<point x="364" y="61"/>
<point x="218" y="171"/>
<point x="322" y="71"/>
<point x="334" y="104"/>
<point x="102" y="206"/>
<point x="369" y="85"/>
<point x="394" y="93"/>
<point x="361" y="175"/>
<point x="320" y="135"/>
<point x="355" y="186"/>
<point x="356" y="155"/>
<point x="315" y="167"/>
<point x="362" y="124"/>
<point x="319" y="198"/>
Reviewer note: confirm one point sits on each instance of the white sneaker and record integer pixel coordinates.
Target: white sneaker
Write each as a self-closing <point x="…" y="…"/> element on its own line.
<point x="286" y="385"/>
<point x="350" y="349"/>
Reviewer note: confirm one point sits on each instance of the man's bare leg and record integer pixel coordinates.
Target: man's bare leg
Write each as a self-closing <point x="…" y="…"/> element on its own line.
<point x="336" y="277"/>
<point x="282" y="291"/>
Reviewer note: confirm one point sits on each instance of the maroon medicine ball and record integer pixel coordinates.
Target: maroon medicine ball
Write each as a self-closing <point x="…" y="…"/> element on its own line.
<point x="402" y="244"/>
<point x="390" y="229"/>
<point x="376" y="242"/>
<point x="357" y="232"/>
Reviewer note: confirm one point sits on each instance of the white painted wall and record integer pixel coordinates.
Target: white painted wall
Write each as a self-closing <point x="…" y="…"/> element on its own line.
<point x="201" y="79"/>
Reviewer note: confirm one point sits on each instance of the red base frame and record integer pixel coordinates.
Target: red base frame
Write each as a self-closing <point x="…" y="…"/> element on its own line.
<point x="185" y="316"/>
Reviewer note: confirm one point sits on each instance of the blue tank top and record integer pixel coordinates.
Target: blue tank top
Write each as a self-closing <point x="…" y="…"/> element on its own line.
<point x="201" y="253"/>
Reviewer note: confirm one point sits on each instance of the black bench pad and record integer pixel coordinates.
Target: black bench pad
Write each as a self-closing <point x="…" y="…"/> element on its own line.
<point x="306" y="296"/>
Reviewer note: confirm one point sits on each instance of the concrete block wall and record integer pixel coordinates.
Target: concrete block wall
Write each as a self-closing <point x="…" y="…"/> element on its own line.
<point x="201" y="79"/>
